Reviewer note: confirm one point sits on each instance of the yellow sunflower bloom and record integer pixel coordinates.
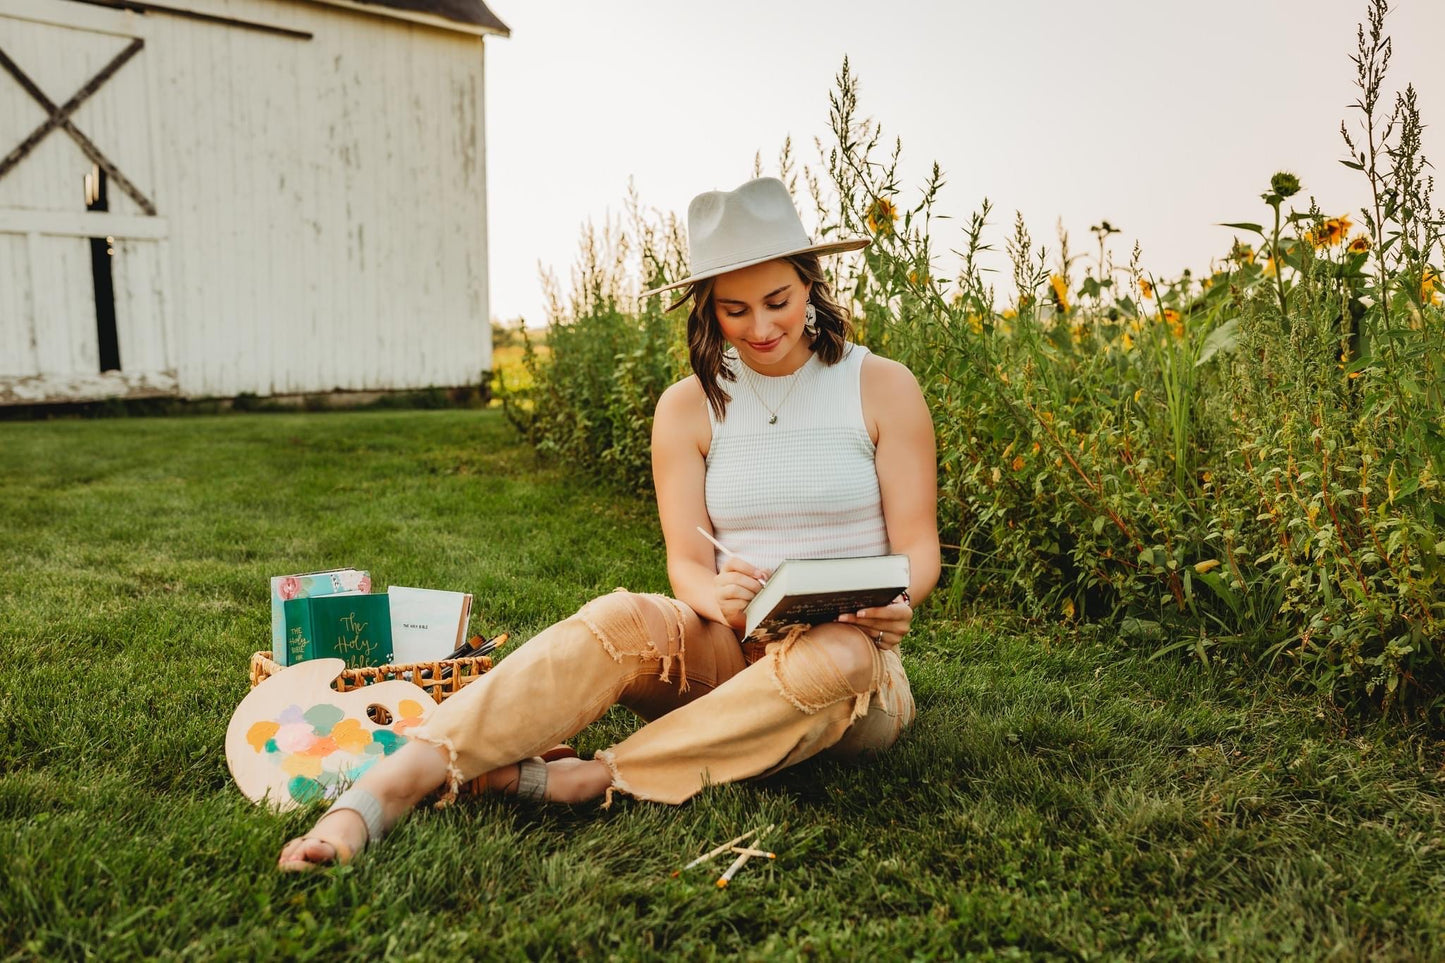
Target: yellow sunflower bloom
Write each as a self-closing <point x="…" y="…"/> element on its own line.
<point x="881" y="217"/>
<point x="1127" y="342"/>
<point x="1176" y="324"/>
<point x="1330" y="233"/>
<point x="1145" y="288"/>
<point x="1360" y="244"/>
<point x="1061" y="292"/>
<point x="1428" y="284"/>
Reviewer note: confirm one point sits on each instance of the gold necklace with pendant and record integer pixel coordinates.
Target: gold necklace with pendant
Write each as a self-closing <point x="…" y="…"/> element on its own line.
<point x="771" y="410"/>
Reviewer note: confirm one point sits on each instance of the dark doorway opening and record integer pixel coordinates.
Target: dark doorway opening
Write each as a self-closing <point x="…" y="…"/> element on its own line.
<point x="101" y="252"/>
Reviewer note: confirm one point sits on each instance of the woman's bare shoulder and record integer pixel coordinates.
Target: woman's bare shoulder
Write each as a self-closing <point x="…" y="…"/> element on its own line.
<point x="885" y="374"/>
<point x="682" y="412"/>
<point x="891" y="395"/>
<point x="683" y="399"/>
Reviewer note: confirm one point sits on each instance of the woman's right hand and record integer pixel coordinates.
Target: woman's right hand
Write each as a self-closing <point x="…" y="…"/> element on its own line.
<point x="735" y="586"/>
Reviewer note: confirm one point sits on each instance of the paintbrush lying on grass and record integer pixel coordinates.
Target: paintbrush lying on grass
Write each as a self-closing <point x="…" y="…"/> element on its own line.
<point x="732" y="846"/>
<point x="743" y="856"/>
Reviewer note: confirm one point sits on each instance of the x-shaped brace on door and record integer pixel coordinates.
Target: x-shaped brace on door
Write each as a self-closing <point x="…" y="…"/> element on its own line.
<point x="60" y="117"/>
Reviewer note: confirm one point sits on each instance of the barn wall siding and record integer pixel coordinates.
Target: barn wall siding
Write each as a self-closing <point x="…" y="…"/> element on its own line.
<point x="323" y="202"/>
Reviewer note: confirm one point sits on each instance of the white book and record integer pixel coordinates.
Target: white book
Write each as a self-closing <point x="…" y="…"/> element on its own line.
<point x="817" y="590"/>
<point x="427" y="624"/>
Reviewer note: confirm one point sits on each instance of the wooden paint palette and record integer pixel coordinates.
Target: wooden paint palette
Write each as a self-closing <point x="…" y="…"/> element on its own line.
<point x="294" y="740"/>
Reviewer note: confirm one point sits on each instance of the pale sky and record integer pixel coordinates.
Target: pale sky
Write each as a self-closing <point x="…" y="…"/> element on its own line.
<point x="1162" y="116"/>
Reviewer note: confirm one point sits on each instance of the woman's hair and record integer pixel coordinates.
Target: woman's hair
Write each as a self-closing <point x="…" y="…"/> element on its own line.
<point x="706" y="344"/>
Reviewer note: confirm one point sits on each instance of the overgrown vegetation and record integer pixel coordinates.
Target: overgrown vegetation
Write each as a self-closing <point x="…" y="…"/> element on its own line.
<point x="1243" y="466"/>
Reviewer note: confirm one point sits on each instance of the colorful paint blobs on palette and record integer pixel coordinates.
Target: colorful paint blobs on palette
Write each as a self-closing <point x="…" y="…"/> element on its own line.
<point x="388" y="741"/>
<point x="322" y="748"/>
<point x="259" y="735"/>
<point x="295" y="739"/>
<point x="323" y="717"/>
<point x="305" y="790"/>
<point x="349" y="736"/>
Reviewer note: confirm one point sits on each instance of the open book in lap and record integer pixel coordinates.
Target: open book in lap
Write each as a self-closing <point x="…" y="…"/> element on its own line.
<point x="816" y="590"/>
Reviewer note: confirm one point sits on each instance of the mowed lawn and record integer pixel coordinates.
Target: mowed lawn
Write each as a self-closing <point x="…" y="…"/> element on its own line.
<point x="1058" y="798"/>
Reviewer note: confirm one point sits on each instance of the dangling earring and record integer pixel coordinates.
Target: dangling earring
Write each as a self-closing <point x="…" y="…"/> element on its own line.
<point x="810" y="320"/>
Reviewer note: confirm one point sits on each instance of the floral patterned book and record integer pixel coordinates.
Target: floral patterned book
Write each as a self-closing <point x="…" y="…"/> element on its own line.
<point x="341" y="581"/>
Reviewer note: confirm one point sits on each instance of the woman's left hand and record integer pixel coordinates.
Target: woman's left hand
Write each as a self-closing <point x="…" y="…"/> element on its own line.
<point x="886" y="625"/>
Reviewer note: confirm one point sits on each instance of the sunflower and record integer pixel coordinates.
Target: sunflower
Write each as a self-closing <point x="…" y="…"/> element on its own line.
<point x="1127" y="342"/>
<point x="1428" y="283"/>
<point x="881" y="215"/>
<point x="1331" y="232"/>
<point x="1145" y="288"/>
<point x="1061" y="292"/>
<point x="1176" y="325"/>
<point x="1360" y="244"/>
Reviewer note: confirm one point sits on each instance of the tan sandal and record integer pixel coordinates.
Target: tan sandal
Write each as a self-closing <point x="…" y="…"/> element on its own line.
<point x="478" y="786"/>
<point x="532" y="779"/>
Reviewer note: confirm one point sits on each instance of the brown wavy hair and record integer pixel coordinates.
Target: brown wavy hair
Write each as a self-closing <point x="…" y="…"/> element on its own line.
<point x="706" y="344"/>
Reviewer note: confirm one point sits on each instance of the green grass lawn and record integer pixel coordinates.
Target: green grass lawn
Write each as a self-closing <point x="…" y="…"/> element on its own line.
<point x="1057" y="798"/>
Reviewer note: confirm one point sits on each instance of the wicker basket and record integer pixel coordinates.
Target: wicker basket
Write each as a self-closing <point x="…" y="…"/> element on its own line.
<point x="463" y="672"/>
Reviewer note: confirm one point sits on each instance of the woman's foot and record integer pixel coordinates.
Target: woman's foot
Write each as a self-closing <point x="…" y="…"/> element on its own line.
<point x="575" y="781"/>
<point x="335" y="838"/>
<point x="397" y="783"/>
<point x="569" y="780"/>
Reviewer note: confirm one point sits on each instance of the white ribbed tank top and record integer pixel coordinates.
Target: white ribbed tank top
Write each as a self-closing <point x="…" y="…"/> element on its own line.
<point x="806" y="486"/>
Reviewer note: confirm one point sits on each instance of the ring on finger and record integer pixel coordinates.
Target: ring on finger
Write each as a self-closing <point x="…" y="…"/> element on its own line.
<point x="879" y="640"/>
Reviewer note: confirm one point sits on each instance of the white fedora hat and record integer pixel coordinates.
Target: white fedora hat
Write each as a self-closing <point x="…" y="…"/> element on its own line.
<point x="727" y="230"/>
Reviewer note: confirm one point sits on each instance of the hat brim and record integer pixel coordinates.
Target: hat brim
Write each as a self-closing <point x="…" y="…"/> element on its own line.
<point x="832" y="247"/>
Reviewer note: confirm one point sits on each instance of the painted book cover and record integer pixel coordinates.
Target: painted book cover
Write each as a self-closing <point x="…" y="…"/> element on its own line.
<point x="356" y="628"/>
<point x="283" y="587"/>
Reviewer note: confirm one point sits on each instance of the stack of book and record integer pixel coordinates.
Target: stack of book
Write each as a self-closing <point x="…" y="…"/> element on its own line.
<point x="334" y="614"/>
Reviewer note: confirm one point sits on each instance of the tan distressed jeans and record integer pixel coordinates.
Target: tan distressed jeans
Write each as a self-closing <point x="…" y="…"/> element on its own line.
<point x="716" y="711"/>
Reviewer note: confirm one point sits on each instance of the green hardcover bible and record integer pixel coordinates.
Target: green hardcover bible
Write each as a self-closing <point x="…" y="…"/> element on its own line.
<point x="356" y="628"/>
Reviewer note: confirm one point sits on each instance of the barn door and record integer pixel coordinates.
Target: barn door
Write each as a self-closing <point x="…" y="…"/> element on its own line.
<point x="82" y="243"/>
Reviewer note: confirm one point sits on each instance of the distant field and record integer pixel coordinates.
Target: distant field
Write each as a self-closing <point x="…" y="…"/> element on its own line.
<point x="507" y="365"/>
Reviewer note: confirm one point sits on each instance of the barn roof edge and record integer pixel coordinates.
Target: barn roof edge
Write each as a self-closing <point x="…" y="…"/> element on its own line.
<point x="473" y="13"/>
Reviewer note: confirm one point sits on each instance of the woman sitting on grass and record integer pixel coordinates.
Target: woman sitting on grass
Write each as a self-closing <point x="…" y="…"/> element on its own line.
<point x="788" y="441"/>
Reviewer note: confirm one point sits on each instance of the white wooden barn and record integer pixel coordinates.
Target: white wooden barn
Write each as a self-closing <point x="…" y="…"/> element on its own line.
<point x="204" y="198"/>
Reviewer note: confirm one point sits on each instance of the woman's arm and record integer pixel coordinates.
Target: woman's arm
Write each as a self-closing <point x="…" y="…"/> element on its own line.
<point x="906" y="460"/>
<point x="680" y="438"/>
